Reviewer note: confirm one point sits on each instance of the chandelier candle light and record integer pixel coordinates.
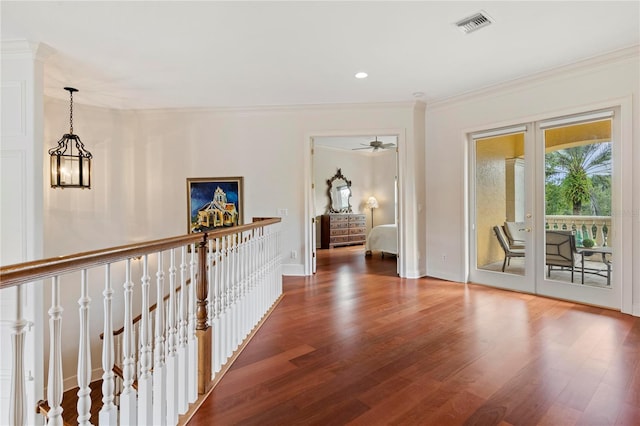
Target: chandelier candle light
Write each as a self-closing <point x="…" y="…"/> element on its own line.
<point x="69" y="169"/>
<point x="372" y="203"/>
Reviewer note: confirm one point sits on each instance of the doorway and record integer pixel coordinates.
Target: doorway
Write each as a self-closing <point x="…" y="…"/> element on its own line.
<point x="370" y="164"/>
<point x="542" y="200"/>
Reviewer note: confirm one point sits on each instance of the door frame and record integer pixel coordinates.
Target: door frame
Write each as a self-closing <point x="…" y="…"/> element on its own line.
<point x="309" y="191"/>
<point x="504" y="280"/>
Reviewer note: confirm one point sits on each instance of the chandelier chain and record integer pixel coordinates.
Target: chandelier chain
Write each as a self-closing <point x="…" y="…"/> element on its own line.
<point x="71" y="113"/>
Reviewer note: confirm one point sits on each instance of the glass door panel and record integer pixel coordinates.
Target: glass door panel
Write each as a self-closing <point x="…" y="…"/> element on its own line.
<point x="500" y="230"/>
<point x="577" y="230"/>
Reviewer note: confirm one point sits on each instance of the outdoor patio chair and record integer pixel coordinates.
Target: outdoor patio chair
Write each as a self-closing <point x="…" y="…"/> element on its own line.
<point x="560" y="251"/>
<point x="516" y="234"/>
<point x="509" y="252"/>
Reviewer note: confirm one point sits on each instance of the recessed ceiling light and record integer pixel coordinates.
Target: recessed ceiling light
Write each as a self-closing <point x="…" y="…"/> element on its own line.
<point x="362" y="75"/>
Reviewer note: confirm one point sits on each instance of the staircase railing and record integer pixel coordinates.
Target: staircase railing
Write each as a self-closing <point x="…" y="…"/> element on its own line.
<point x="224" y="280"/>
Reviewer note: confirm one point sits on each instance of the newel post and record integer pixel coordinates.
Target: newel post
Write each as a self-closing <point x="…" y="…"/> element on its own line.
<point x="203" y="330"/>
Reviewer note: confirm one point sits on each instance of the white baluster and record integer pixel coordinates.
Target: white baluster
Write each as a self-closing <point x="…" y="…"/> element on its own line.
<point x="210" y="280"/>
<point x="210" y="303"/>
<point x="159" y="371"/>
<point x="54" y="382"/>
<point x="215" y="297"/>
<point x="128" y="412"/>
<point x="108" y="412"/>
<point x="171" y="365"/>
<point x="18" y="400"/>
<point x="234" y="293"/>
<point x="223" y="297"/>
<point x="254" y="291"/>
<point x="193" y="341"/>
<point x="226" y="333"/>
<point x="242" y="323"/>
<point x="245" y="279"/>
<point x="84" y="354"/>
<point x="183" y="371"/>
<point x="145" y="414"/>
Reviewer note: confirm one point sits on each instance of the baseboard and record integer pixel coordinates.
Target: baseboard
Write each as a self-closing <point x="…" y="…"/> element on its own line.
<point x="295" y="269"/>
<point x="72" y="382"/>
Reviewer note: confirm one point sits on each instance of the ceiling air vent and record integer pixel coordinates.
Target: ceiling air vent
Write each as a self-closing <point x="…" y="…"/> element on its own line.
<point x="474" y="22"/>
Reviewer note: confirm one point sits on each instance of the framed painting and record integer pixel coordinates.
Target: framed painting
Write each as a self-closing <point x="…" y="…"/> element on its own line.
<point x="214" y="203"/>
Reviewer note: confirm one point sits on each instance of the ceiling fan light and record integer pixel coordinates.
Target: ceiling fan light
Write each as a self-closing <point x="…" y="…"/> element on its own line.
<point x="361" y="75"/>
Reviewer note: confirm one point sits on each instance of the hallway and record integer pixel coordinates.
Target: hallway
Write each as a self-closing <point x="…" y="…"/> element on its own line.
<point x="356" y="344"/>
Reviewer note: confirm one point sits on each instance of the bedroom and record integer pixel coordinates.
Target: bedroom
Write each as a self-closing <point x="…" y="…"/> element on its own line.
<point x="371" y="171"/>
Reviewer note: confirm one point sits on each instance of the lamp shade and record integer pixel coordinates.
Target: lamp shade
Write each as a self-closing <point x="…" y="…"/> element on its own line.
<point x="372" y="203"/>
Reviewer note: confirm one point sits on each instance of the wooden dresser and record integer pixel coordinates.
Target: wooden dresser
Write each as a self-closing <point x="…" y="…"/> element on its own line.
<point x="342" y="229"/>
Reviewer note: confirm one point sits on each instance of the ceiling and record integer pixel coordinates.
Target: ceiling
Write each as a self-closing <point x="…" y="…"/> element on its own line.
<point x="179" y="54"/>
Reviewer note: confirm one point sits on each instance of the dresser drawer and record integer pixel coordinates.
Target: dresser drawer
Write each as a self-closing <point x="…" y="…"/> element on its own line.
<point x="340" y="239"/>
<point x="338" y="218"/>
<point x="356" y="238"/>
<point x="354" y="231"/>
<point x="340" y="231"/>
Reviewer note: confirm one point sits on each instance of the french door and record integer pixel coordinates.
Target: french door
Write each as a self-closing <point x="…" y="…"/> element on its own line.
<point x="542" y="198"/>
<point x="501" y="214"/>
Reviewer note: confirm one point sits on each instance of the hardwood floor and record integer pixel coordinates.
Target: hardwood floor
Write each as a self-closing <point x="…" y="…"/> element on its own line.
<point x="355" y="344"/>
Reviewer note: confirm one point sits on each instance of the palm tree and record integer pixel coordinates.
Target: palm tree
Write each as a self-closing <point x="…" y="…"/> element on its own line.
<point x="573" y="169"/>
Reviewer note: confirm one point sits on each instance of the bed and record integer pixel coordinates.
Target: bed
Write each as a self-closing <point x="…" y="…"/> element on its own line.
<point x="383" y="238"/>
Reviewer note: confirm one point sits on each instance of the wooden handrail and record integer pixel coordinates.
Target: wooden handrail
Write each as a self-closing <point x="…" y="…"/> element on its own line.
<point x="21" y="273"/>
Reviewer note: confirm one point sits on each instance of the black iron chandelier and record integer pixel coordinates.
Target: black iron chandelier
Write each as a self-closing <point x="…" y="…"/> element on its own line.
<point x="70" y="169"/>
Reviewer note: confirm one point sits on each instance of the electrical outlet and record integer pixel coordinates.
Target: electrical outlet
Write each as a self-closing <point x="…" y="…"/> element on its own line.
<point x="283" y="212"/>
<point x="444" y="258"/>
<point x="294" y="254"/>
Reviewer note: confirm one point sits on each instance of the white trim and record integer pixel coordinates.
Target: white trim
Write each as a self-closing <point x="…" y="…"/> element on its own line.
<point x="576" y="119"/>
<point x="587" y="65"/>
<point x="623" y="221"/>
<point x="274" y="108"/>
<point x="499" y="132"/>
<point x="309" y="194"/>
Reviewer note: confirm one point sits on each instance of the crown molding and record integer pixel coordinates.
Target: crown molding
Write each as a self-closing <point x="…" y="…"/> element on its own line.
<point x="26" y="49"/>
<point x="620" y="55"/>
<point x="281" y="108"/>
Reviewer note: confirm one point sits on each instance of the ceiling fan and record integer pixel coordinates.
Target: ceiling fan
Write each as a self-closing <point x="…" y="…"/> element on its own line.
<point x="376" y="145"/>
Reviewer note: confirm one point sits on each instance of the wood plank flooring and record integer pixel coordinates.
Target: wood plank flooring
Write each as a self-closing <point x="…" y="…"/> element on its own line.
<point x="357" y="345"/>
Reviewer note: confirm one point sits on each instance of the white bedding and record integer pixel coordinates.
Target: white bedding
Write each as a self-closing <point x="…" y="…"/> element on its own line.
<point x="383" y="238"/>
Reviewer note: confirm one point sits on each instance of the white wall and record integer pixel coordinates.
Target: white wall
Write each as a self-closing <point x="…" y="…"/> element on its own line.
<point x="370" y="173"/>
<point x="593" y="82"/>
<point x="356" y="167"/>
<point x="111" y="213"/>
<point x="384" y="181"/>
<point x="141" y="162"/>
<point x="268" y="146"/>
<point x="21" y="214"/>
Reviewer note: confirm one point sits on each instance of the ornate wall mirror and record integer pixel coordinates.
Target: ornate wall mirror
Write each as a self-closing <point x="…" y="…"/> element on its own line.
<point x="339" y="191"/>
